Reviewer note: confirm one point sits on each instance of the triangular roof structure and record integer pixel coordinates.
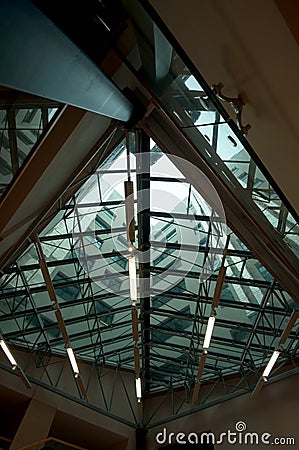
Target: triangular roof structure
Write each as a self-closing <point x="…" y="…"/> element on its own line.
<point x="178" y="194"/>
<point x="85" y="249"/>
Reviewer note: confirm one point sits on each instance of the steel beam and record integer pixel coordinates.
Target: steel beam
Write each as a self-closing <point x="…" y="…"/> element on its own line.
<point x="143" y="219"/>
<point x="243" y="216"/>
<point x="207" y="404"/>
<point x="19" y="214"/>
<point x="10" y="98"/>
<point x="37" y="57"/>
<point x="163" y="55"/>
<point x="51" y="290"/>
<point x="63" y="393"/>
<point x="11" y="123"/>
<point x="87" y="299"/>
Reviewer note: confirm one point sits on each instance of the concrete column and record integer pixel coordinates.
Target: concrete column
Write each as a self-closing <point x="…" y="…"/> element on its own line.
<point x="35" y="425"/>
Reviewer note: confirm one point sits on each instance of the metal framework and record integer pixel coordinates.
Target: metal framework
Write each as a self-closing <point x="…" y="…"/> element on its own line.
<point x="253" y="308"/>
<point x="81" y="265"/>
<point x="23" y="119"/>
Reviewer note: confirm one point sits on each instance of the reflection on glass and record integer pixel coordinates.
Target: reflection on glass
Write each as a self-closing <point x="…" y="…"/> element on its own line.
<point x="20" y="129"/>
<point x="86" y="249"/>
<point x="183" y="96"/>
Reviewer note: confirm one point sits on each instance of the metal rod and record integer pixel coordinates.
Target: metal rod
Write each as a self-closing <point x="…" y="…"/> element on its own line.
<point x="143" y="219"/>
<point x="11" y="118"/>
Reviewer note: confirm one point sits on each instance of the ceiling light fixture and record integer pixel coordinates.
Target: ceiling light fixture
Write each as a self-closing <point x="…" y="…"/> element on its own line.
<point x="73" y="361"/>
<point x="209" y="331"/>
<point x="211" y="322"/>
<point x="138" y="389"/>
<point x="133" y="279"/>
<point x="270" y="364"/>
<point x="9" y="355"/>
<point x="102" y="21"/>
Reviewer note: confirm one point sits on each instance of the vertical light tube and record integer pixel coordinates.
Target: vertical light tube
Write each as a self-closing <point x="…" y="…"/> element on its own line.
<point x="209" y="332"/>
<point x="73" y="361"/>
<point x="133" y="279"/>
<point x="138" y="389"/>
<point x="9" y="355"/>
<point x="270" y="364"/>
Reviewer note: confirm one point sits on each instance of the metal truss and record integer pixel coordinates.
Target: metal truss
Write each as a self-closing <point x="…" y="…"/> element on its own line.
<point x="169" y="331"/>
<point x="169" y="366"/>
<point x="104" y="386"/>
<point x="23" y="118"/>
<point x="186" y="96"/>
<point x="177" y="402"/>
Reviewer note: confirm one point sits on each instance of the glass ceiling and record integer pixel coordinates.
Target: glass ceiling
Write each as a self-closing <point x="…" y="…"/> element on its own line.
<point x="86" y="246"/>
<point x="192" y="106"/>
<point x="86" y="250"/>
<point x="20" y="129"/>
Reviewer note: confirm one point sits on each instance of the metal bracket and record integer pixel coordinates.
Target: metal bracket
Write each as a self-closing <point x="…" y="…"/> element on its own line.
<point x="236" y="103"/>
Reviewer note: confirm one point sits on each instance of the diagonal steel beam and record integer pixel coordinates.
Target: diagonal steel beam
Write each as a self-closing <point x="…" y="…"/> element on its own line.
<point x="52" y="295"/>
<point x="82" y="401"/>
<point x="11" y="122"/>
<point x="243" y="216"/>
<point x="143" y="218"/>
<point x="19" y="215"/>
<point x="55" y="68"/>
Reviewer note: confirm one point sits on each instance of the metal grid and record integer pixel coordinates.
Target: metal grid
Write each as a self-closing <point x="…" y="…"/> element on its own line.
<point x="21" y="127"/>
<point x="94" y="300"/>
<point x="96" y="309"/>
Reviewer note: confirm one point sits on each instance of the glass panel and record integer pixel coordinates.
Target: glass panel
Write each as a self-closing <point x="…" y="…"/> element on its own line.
<point x="194" y="109"/>
<point x="20" y="128"/>
<point x="89" y="270"/>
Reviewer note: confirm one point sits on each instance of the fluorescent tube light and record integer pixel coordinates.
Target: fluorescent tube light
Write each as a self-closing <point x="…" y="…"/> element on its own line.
<point x="133" y="280"/>
<point x="138" y="388"/>
<point x="209" y="332"/>
<point x="73" y="361"/>
<point x="270" y="364"/>
<point x="8" y="354"/>
<point x="102" y="21"/>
